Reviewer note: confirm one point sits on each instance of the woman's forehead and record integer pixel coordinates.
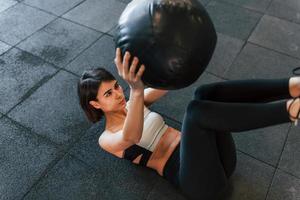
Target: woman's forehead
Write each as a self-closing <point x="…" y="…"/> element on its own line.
<point x="106" y="85"/>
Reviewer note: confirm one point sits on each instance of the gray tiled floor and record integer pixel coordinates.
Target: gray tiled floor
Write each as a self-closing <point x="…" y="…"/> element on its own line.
<point x="60" y="41"/>
<point x="20" y="21"/>
<point x="56" y="7"/>
<point x="48" y="149"/>
<point x="5" y="4"/>
<point x="289" y="10"/>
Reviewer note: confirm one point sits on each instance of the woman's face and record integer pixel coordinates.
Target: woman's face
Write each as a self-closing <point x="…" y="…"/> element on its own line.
<point x="110" y="97"/>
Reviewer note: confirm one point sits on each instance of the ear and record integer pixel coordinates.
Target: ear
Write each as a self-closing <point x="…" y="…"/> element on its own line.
<point x="95" y="104"/>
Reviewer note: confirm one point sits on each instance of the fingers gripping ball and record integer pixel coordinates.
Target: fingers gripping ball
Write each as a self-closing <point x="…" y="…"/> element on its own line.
<point x="174" y="39"/>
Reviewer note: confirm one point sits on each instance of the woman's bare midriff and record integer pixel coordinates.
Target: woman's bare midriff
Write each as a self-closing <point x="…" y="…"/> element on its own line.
<point x="166" y="145"/>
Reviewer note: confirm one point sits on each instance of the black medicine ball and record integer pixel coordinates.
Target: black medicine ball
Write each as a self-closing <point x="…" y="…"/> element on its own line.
<point x="174" y="39"/>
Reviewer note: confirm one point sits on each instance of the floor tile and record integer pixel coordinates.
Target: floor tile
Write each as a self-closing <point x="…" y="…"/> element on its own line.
<point x="264" y="144"/>
<point x="54" y="111"/>
<point x="288" y="9"/>
<point x="250" y="180"/>
<point x="285" y="187"/>
<point x="68" y="179"/>
<point x="3" y="47"/>
<point x="258" y="62"/>
<point x="23" y="157"/>
<point x="20" y="22"/>
<point x="100" y="54"/>
<point x="290" y="159"/>
<point x="226" y="50"/>
<point x="56" y="7"/>
<point x="232" y="20"/>
<point x="5" y="4"/>
<point x="164" y="191"/>
<point x="277" y="34"/>
<point x="60" y="41"/>
<point x="258" y="5"/>
<point x="101" y="15"/>
<point x="20" y="72"/>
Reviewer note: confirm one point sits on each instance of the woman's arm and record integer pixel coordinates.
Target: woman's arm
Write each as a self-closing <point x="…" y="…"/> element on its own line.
<point x="133" y="125"/>
<point x="134" y="121"/>
<point x="151" y="95"/>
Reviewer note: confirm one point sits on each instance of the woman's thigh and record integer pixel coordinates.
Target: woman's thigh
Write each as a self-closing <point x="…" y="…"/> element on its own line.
<point x="227" y="151"/>
<point x="201" y="174"/>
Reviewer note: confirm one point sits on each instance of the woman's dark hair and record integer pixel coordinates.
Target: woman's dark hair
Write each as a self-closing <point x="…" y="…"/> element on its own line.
<point x="87" y="89"/>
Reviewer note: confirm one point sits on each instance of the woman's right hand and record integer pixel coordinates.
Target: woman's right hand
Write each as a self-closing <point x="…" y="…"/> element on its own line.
<point x="133" y="80"/>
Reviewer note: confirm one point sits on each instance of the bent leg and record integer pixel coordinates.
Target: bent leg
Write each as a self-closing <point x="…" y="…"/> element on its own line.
<point x="201" y="174"/>
<point x="247" y="90"/>
<point x="235" y="117"/>
<point x="227" y="152"/>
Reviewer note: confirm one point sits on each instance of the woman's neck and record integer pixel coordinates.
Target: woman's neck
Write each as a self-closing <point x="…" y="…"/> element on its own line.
<point x="116" y="119"/>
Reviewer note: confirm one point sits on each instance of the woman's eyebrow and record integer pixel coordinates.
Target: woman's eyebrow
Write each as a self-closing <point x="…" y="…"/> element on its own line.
<point x="110" y="89"/>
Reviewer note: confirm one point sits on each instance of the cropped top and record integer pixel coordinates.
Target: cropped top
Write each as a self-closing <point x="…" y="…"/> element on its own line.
<point x="153" y="128"/>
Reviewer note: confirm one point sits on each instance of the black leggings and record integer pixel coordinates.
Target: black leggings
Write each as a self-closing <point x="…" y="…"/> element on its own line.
<point x="207" y="150"/>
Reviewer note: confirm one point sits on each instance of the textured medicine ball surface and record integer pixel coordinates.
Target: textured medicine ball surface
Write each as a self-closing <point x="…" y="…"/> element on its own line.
<point x="174" y="39"/>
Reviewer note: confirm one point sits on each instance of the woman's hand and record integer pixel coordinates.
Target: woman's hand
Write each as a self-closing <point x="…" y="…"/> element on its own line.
<point x="133" y="80"/>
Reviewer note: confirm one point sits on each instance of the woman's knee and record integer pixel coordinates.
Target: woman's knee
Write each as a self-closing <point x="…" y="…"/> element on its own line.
<point x="202" y="92"/>
<point x="194" y="108"/>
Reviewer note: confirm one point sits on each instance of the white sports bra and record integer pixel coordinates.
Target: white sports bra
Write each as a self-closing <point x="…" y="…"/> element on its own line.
<point x="153" y="129"/>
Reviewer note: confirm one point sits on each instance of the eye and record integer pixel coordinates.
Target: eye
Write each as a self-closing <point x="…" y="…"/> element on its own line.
<point x="108" y="94"/>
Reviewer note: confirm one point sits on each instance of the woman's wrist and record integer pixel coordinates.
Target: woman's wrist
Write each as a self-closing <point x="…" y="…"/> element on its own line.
<point x="137" y="92"/>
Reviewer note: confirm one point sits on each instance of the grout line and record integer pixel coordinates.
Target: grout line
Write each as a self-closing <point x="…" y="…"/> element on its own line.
<point x="150" y="190"/>
<point x="49" y="12"/>
<point x="91" y="28"/>
<point x="81" y="161"/>
<point x="278" y="161"/>
<point x="236" y="5"/>
<point x="31" y="90"/>
<point x="269" y="5"/>
<point x="87" y="164"/>
<point x="254" y="27"/>
<point x="64" y="152"/>
<point x="70" y="20"/>
<point x="235" y="59"/>
<point x="40" y="9"/>
<point x="56" y="17"/>
<point x="284" y="144"/>
<point x="38" y="85"/>
<point x="82" y="51"/>
<point x="9" y="7"/>
<point x="257" y="159"/>
<point x="31" y="133"/>
<point x="217" y="75"/>
<point x="289" y="173"/>
<point x="44" y="173"/>
<point x="283" y="19"/>
<point x="274" y="50"/>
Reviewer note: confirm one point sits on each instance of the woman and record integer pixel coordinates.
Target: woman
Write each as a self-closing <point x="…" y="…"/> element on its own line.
<point x="199" y="159"/>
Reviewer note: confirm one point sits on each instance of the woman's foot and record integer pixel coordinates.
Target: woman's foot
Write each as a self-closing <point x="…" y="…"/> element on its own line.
<point x="294" y="86"/>
<point x="293" y="108"/>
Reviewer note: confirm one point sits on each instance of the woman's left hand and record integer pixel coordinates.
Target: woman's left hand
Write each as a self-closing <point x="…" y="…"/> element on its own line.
<point x="133" y="80"/>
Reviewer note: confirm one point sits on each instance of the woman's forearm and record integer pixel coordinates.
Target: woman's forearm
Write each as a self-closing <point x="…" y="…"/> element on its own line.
<point x="133" y="125"/>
